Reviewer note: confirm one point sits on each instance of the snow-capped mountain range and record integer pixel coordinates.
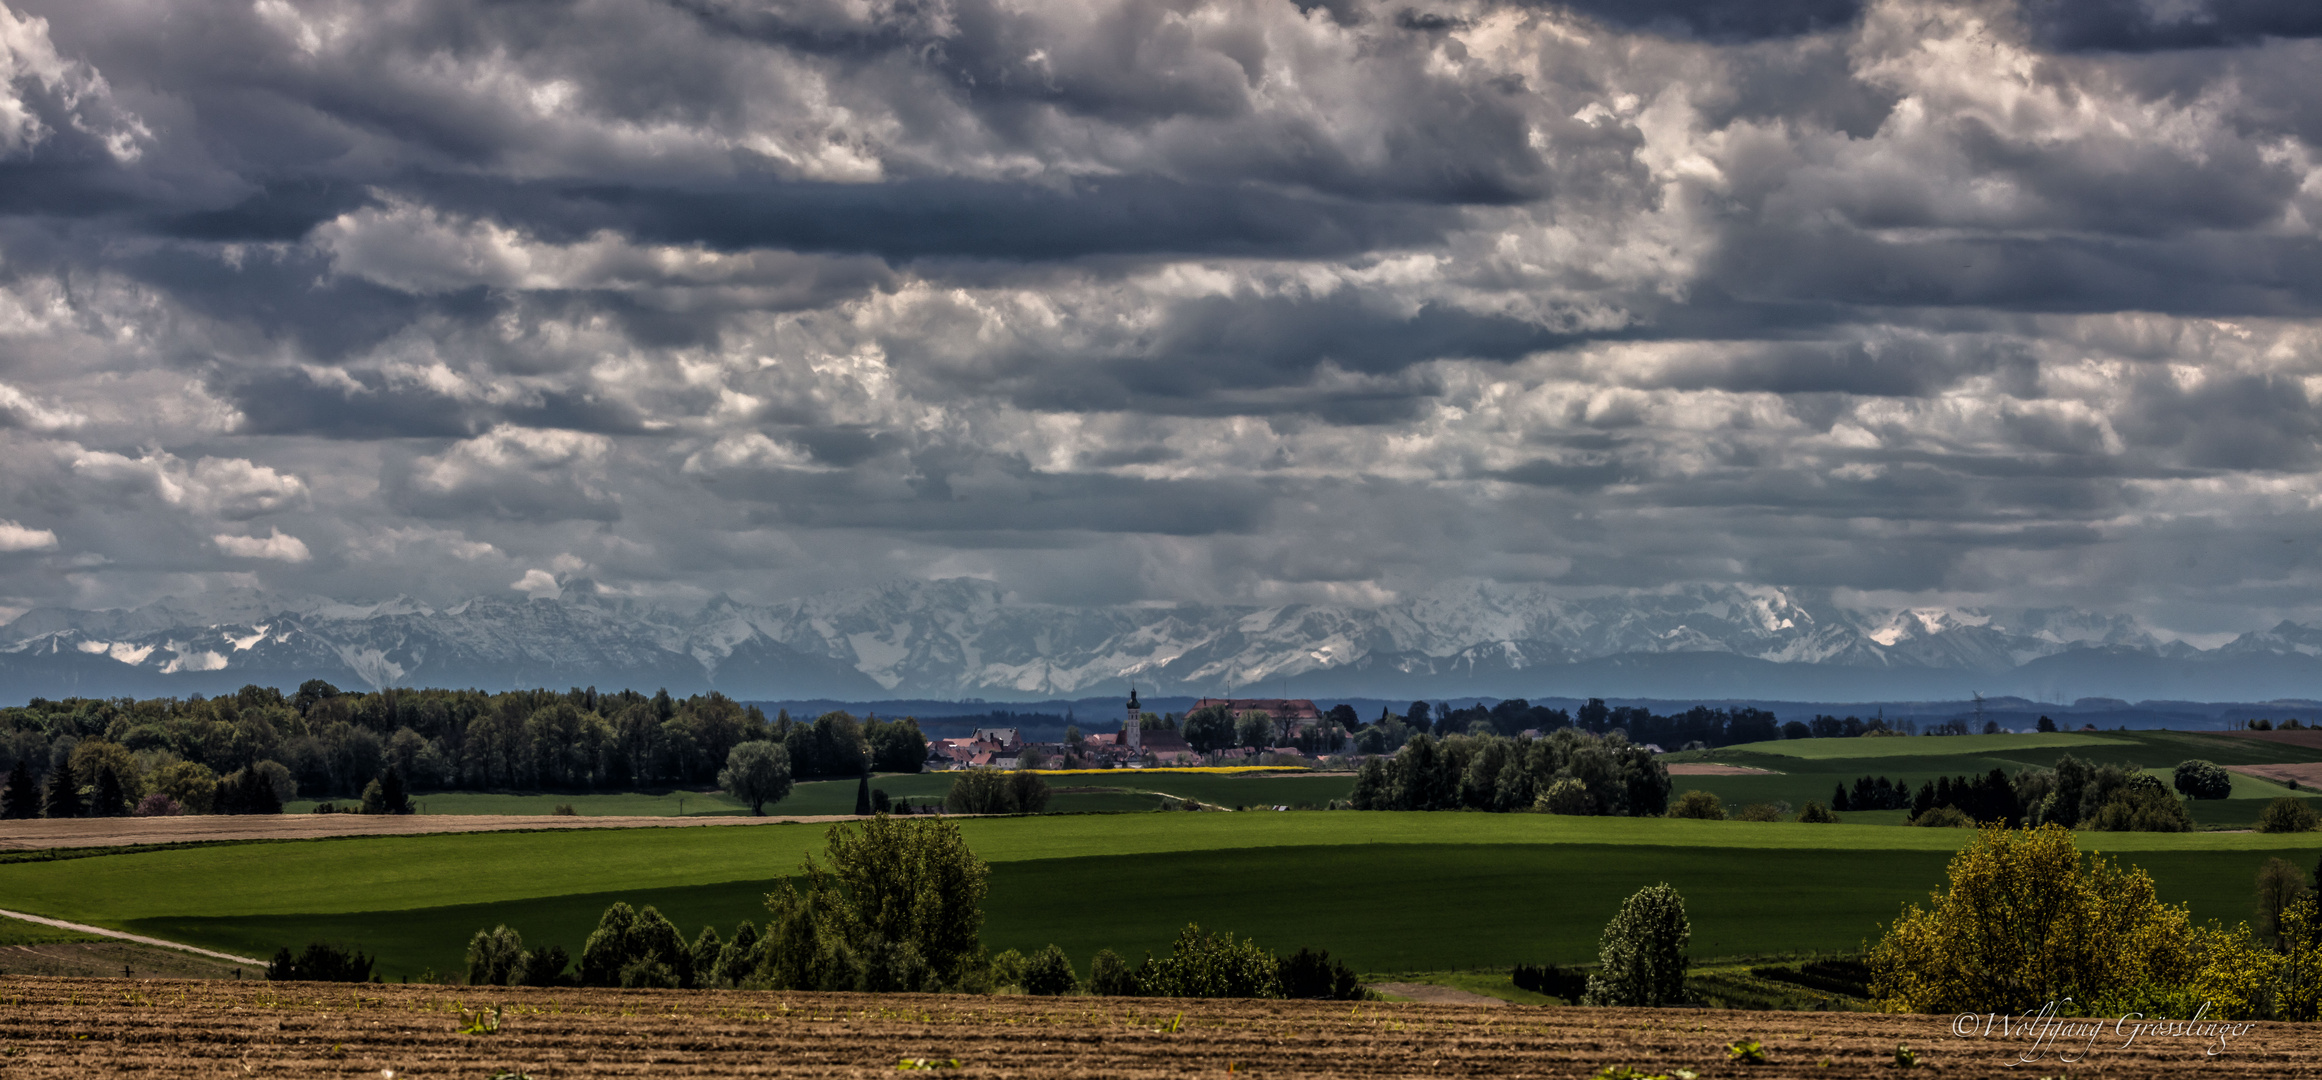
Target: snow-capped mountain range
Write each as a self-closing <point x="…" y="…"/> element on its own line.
<point x="963" y="639"/>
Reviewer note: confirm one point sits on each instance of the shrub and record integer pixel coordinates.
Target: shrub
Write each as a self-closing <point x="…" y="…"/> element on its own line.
<point x="1759" y="812"/>
<point x="1642" y="954"/>
<point x="980" y="791"/>
<point x="1313" y="974"/>
<point x="1565" y="796"/>
<point x="1109" y="976"/>
<point x="1703" y="805"/>
<point x="2027" y="918"/>
<point x="1817" y="814"/>
<point x="1050" y="974"/>
<point x="2288" y="814"/>
<point x="630" y="945"/>
<point x="541" y="967"/>
<point x="1551" y="980"/>
<point x="1944" y="817"/>
<point x="158" y="805"/>
<point x="2142" y="805"/>
<point x="2300" y="997"/>
<point x="647" y="973"/>
<point x="1008" y="968"/>
<point x="1207" y="965"/>
<point x="897" y="906"/>
<point x="895" y="967"/>
<point x="2198" y="779"/>
<point x="320" y="961"/>
<point x="2280" y="884"/>
<point x="493" y="955"/>
<point x="1028" y="791"/>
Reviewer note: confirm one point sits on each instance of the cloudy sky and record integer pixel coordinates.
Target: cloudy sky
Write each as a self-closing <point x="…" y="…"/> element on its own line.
<point x="1117" y="300"/>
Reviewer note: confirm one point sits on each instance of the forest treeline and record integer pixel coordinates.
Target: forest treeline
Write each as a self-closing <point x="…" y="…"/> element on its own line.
<point x="1700" y="726"/>
<point x="321" y="742"/>
<point x="1567" y="772"/>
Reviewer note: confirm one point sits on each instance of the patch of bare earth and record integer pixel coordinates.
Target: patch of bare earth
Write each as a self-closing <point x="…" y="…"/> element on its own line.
<point x="1436" y="995"/>
<point x="117" y="1028"/>
<point x="98" y="959"/>
<point x="113" y="832"/>
<point x="2306" y="774"/>
<point x="1706" y="768"/>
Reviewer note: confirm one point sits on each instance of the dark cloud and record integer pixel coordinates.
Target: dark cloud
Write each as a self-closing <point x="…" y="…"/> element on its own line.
<point x="1141" y="298"/>
<point x="970" y="219"/>
<point x="1723" y="20"/>
<point x="284" y="210"/>
<point x="2144" y="25"/>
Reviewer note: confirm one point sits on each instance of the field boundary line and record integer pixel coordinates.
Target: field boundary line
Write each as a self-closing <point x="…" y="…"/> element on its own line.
<point x="125" y="936"/>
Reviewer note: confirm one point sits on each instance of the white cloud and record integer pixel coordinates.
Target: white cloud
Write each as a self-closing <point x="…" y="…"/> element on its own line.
<point x="27" y="55"/>
<point x="15" y="537"/>
<point x="538" y="584"/>
<point x="231" y="488"/>
<point x="278" y="546"/>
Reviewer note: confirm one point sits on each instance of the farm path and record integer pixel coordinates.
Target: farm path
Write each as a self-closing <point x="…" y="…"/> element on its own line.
<point x="124" y="936"/>
<point x="57" y="1027"/>
<point x="41" y="833"/>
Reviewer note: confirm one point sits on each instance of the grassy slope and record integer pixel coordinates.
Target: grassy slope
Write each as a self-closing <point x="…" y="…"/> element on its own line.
<point x="19" y="932"/>
<point x="1809" y="768"/>
<point x="1384" y="891"/>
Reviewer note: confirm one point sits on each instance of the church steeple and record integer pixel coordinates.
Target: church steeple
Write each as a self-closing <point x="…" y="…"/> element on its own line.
<point x="1133" y="728"/>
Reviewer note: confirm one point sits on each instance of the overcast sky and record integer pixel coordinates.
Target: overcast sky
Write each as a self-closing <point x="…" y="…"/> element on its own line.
<point x="1117" y="300"/>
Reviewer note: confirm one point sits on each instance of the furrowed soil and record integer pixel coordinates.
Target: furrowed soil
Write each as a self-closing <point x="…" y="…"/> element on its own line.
<point x="113" y="1028"/>
<point x="40" y="833"/>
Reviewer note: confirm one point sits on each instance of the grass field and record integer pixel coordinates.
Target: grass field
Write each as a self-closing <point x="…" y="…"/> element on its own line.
<point x="19" y="932"/>
<point x="1384" y="892"/>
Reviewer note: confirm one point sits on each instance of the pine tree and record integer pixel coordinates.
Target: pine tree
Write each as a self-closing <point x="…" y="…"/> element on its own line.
<point x="108" y="801"/>
<point x="21" y="798"/>
<point x="863" y="796"/>
<point x="64" y="792"/>
<point x="392" y="798"/>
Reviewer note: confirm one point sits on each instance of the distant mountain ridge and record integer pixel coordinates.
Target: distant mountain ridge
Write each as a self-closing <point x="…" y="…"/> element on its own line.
<point x="962" y="638"/>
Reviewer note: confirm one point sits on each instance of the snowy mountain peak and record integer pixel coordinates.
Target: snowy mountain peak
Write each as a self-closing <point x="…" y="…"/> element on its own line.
<point x="963" y="637"/>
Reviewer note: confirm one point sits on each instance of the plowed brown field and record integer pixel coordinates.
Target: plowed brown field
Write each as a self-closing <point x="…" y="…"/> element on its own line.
<point x="113" y="1028"/>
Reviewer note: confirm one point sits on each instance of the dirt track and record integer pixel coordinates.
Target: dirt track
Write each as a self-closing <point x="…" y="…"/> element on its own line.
<point x="112" y="1028"/>
<point x="112" y="832"/>
<point x="2307" y="774"/>
<point x="1708" y="768"/>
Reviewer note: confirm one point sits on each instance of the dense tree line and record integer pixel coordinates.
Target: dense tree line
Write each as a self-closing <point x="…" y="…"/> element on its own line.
<point x="323" y="743"/>
<point x="1872" y="793"/>
<point x="2075" y="794"/>
<point x="1567" y="772"/>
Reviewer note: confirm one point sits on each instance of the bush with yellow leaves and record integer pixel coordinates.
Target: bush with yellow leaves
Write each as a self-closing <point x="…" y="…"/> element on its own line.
<point x="2028" y="919"/>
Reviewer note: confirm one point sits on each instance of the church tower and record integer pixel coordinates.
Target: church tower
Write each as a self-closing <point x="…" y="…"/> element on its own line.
<point x="1133" y="729"/>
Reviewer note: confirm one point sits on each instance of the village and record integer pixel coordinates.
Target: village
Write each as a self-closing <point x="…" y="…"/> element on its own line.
<point x="1229" y="731"/>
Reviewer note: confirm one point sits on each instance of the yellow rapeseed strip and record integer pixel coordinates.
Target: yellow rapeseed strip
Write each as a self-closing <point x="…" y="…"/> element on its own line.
<point x="1177" y="769"/>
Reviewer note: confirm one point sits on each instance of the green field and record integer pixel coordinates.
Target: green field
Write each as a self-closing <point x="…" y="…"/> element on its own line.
<point x="1808" y="769"/>
<point x="19" y="932"/>
<point x="1383" y="891"/>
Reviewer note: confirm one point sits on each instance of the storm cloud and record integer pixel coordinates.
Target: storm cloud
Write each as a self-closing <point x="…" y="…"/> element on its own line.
<point x="1164" y="299"/>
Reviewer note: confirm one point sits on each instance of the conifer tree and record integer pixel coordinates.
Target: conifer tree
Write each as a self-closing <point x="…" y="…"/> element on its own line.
<point x="64" y="792"/>
<point x="107" y="800"/>
<point x="21" y="798"/>
<point x="863" y="797"/>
